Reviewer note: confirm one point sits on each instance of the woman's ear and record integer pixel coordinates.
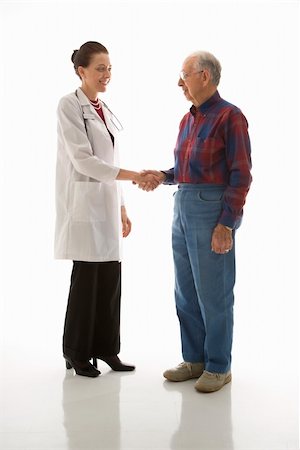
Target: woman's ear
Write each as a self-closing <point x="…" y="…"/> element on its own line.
<point x="80" y="71"/>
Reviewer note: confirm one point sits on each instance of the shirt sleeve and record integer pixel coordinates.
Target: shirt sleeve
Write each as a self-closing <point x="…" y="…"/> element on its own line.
<point x="238" y="157"/>
<point x="71" y="131"/>
<point x="169" y="176"/>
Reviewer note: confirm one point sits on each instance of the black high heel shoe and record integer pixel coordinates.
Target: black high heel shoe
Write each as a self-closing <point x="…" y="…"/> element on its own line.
<point x="115" y="363"/>
<point x="85" y="369"/>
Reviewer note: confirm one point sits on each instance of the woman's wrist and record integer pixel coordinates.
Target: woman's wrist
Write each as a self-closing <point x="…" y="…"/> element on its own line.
<point x="128" y="175"/>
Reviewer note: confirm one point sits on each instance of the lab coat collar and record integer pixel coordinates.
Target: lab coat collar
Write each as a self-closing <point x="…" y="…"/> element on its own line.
<point x="83" y="100"/>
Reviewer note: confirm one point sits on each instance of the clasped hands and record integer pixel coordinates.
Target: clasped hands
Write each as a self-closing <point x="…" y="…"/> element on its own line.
<point x="148" y="180"/>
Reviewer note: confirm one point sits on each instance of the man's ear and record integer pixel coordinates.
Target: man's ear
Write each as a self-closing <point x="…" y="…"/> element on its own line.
<point x="206" y="77"/>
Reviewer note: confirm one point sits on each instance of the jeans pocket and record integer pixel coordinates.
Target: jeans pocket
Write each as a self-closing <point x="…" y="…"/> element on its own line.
<point x="211" y="195"/>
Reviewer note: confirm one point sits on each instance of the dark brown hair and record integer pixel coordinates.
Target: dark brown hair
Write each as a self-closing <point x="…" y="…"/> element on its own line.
<point x="83" y="56"/>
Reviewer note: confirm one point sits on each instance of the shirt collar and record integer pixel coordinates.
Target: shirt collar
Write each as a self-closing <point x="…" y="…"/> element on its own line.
<point x="215" y="98"/>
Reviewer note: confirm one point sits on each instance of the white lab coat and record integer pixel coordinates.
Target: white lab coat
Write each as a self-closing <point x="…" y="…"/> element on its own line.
<point x="88" y="197"/>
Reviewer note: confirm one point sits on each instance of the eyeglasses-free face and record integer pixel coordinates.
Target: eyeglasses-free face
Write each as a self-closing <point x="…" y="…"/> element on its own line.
<point x="96" y="76"/>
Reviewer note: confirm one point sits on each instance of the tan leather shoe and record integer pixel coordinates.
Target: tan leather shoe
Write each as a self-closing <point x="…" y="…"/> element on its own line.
<point x="211" y="382"/>
<point x="184" y="371"/>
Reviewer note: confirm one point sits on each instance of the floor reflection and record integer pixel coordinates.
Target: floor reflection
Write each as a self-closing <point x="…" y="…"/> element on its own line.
<point x="206" y="424"/>
<point x="91" y="411"/>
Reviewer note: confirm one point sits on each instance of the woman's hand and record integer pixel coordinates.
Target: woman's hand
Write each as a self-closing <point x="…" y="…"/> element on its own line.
<point x="126" y="224"/>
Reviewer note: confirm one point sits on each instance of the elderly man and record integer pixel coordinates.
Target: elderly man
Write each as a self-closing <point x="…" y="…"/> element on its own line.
<point x="212" y="169"/>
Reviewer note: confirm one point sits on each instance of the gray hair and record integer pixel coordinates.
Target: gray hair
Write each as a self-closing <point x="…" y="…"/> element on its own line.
<point x="205" y="60"/>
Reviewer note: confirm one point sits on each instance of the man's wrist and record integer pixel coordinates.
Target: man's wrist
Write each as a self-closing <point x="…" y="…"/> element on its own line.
<point x="225" y="226"/>
<point x="164" y="175"/>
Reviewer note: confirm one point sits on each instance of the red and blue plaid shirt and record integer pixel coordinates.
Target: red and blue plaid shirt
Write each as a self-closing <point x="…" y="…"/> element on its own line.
<point x="213" y="147"/>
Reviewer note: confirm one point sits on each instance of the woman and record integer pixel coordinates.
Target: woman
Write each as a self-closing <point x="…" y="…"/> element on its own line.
<point x="91" y="216"/>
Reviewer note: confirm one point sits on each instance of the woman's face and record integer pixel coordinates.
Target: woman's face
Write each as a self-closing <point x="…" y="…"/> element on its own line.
<point x="97" y="75"/>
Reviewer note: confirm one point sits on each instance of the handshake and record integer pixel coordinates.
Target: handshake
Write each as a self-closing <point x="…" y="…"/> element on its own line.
<point x="148" y="180"/>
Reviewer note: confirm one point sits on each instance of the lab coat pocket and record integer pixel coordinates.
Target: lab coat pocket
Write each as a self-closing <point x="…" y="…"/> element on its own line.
<point x="88" y="202"/>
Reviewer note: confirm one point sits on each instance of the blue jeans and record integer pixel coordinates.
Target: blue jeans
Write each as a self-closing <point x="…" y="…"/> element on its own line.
<point x="204" y="280"/>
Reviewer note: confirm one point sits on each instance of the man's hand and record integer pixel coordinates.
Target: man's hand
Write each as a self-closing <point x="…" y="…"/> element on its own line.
<point x="221" y="241"/>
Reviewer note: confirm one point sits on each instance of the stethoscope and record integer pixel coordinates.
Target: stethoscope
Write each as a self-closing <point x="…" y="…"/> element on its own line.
<point x="113" y="118"/>
<point x="115" y="121"/>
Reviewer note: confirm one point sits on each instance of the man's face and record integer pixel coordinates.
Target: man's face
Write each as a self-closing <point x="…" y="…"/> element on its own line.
<point x="191" y="80"/>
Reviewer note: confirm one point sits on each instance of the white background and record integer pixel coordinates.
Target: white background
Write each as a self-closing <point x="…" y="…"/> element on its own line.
<point x="257" y="44"/>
